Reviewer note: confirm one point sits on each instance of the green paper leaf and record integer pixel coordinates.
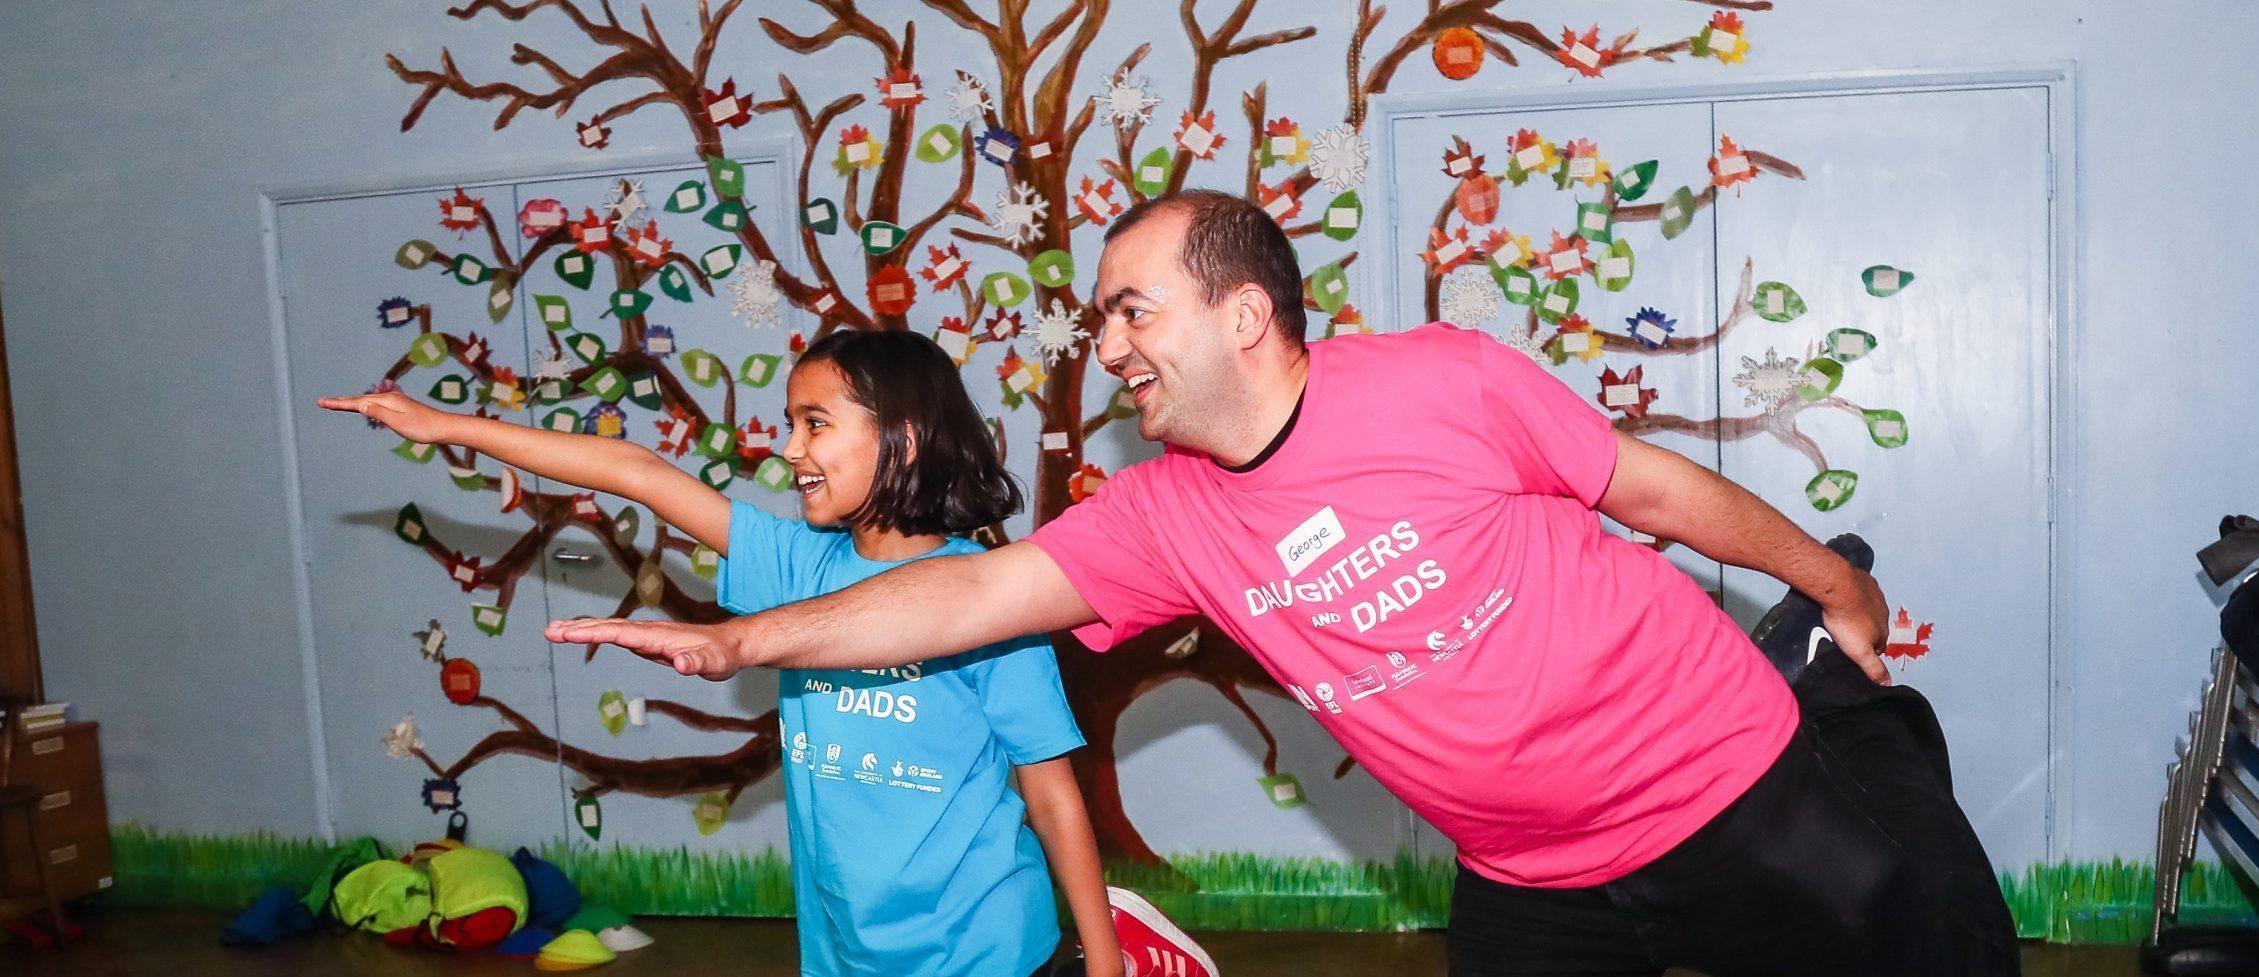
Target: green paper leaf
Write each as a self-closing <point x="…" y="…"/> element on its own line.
<point x="1678" y="212"/>
<point x="717" y="441"/>
<point x="643" y="391"/>
<point x="820" y="215"/>
<point x="415" y="451"/>
<point x="1123" y="405"/>
<point x="718" y="473"/>
<point x="1831" y="489"/>
<point x="1518" y="284"/>
<point x="586" y="345"/>
<point x="1850" y="345"/>
<point x="1152" y="173"/>
<point x="429" y="349"/>
<point x="467" y="479"/>
<point x="575" y="268"/>
<point x="1053" y="269"/>
<point x="727" y="217"/>
<point x="728" y="177"/>
<point x="1821" y="377"/>
<point x="489" y="618"/>
<point x="705" y="562"/>
<point x="1283" y="791"/>
<point x="451" y="389"/>
<point x="1558" y="301"/>
<point x="710" y="812"/>
<point x="625" y="524"/>
<point x="774" y="474"/>
<point x="611" y="710"/>
<point x="882" y="237"/>
<point x="720" y="261"/>
<point x="1614" y="269"/>
<point x="703" y="368"/>
<point x="1884" y="281"/>
<point x="629" y="302"/>
<point x="554" y="312"/>
<point x="606" y="384"/>
<point x="1775" y="302"/>
<point x="563" y="420"/>
<point x="409" y="525"/>
<point x="549" y="390"/>
<point x="1004" y="289"/>
<point x="1594" y="223"/>
<point x="1344" y="216"/>
<point x="500" y="296"/>
<point x="1329" y="287"/>
<point x="414" y="254"/>
<point x="939" y="144"/>
<point x="673" y="282"/>
<point x="1632" y="183"/>
<point x="590" y="816"/>
<point x="1887" y="427"/>
<point x="471" y="271"/>
<point x="689" y="197"/>
<point x="758" y="369"/>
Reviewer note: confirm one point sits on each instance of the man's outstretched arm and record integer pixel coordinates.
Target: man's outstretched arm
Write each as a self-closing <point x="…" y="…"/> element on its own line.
<point x="1664" y="495"/>
<point x="921" y="610"/>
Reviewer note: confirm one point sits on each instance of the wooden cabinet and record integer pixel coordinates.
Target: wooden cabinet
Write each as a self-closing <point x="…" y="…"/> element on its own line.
<point x="65" y="764"/>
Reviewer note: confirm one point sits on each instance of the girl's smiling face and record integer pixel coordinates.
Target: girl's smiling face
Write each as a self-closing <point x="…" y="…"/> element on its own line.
<point x="834" y="445"/>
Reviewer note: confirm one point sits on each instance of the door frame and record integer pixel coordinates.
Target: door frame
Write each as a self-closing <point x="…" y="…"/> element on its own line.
<point x="2061" y="334"/>
<point x="780" y="150"/>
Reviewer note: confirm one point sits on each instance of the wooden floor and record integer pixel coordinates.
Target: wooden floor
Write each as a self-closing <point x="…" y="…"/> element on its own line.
<point x="185" y="943"/>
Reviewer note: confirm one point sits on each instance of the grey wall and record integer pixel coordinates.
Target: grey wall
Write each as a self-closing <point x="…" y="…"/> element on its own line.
<point x="136" y="138"/>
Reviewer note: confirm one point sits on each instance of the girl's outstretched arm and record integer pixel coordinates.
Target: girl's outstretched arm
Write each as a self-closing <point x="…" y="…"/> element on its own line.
<point x="1056" y="813"/>
<point x="608" y="465"/>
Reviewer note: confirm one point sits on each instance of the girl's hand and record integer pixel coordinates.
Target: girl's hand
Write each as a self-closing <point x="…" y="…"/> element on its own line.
<point x="395" y="410"/>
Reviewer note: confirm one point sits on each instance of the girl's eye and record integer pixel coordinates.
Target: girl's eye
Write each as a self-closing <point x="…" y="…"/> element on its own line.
<point x="815" y="423"/>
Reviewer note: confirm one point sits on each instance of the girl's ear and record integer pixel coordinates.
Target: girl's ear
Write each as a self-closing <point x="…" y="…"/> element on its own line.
<point x="910" y="439"/>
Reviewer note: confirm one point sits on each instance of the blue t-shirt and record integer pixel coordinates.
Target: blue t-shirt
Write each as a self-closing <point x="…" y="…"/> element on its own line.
<point x="911" y="854"/>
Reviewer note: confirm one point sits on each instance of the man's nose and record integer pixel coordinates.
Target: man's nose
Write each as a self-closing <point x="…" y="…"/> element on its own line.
<point x="1112" y="347"/>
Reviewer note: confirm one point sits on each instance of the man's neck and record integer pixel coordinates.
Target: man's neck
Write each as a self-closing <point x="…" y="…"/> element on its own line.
<point x="1270" y="401"/>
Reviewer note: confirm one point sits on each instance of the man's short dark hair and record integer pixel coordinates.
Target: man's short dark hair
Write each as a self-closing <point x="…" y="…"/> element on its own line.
<point x="1229" y="242"/>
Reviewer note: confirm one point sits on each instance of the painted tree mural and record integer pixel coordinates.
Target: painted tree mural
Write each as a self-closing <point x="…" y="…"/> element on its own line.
<point x="1014" y="129"/>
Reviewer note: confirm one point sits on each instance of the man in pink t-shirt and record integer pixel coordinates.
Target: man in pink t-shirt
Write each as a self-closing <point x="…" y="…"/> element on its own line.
<point x="1403" y="529"/>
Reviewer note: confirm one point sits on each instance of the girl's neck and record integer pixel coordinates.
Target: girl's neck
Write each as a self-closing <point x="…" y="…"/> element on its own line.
<point x="891" y="546"/>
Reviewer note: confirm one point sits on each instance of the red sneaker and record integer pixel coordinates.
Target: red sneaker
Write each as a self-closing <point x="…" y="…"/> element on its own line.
<point x="1152" y="946"/>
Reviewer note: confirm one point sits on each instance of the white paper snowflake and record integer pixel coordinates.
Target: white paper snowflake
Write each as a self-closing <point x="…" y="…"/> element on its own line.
<point x="1338" y="156"/>
<point x="969" y="99"/>
<point x="1058" y="332"/>
<point x="549" y="364"/>
<point x="1770" y="383"/>
<point x="401" y="742"/>
<point x="753" y="294"/>
<point x="1470" y="298"/>
<point x="626" y="200"/>
<point x="1126" y="101"/>
<point x="1524" y="339"/>
<point x="1018" y="208"/>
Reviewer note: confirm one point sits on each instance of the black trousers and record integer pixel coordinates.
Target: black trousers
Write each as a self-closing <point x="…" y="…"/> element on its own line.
<point x="1849" y="856"/>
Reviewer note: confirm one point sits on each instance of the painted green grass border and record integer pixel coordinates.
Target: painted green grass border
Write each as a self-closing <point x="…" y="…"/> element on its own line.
<point x="2085" y="902"/>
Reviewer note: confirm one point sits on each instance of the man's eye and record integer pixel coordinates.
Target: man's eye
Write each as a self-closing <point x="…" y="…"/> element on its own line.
<point x="1132" y="313"/>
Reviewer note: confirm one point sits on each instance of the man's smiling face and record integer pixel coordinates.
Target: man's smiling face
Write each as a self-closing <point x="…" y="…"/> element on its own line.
<point x="1158" y="333"/>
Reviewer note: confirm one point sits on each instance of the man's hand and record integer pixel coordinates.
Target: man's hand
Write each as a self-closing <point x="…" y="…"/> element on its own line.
<point x="1858" y="618"/>
<point x="704" y="650"/>
<point x="397" y="411"/>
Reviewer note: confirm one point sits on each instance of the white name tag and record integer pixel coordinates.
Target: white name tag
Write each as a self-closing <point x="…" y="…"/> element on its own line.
<point x="1310" y="540"/>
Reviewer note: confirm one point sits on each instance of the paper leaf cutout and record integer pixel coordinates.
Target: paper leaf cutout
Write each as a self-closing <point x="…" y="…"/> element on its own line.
<point x="1053" y="269"/>
<point x="939" y="144"/>
<point x="1884" y="281"/>
<point x="1906" y="640"/>
<point x="1831" y="489"/>
<point x="1886" y="427"/>
<point x="710" y="812"/>
<point x="1633" y="183"/>
<point x="1776" y="302"/>
<point x="1614" y="269"/>
<point x="1850" y="345"/>
<point x="1343" y="216"/>
<point x="1821" y="376"/>
<point x="1458" y="53"/>
<point x="1678" y="212"/>
<point x="590" y="816"/>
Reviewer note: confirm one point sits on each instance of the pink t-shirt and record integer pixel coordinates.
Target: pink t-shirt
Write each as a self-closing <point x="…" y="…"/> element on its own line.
<point x="1421" y="566"/>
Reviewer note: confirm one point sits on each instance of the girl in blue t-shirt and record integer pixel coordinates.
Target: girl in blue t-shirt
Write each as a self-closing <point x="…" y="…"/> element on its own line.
<point x="911" y="852"/>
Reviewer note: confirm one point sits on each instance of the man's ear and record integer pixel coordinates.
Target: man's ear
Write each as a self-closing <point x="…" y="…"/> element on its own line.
<point x="1251" y="315"/>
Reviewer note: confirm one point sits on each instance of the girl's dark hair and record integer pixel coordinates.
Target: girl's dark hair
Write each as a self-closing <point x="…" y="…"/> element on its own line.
<point x="956" y="482"/>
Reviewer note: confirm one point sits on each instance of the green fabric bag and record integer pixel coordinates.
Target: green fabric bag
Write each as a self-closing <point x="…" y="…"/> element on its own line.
<point x="383" y="896"/>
